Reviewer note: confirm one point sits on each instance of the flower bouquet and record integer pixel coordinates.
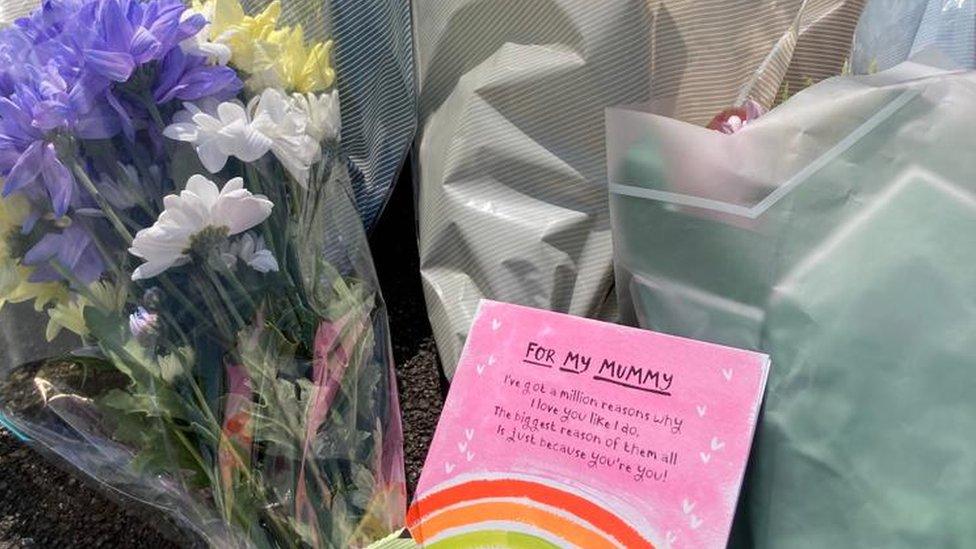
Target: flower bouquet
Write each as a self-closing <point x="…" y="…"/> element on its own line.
<point x="175" y="202"/>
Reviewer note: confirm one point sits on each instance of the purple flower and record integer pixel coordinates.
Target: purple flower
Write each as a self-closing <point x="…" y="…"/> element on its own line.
<point x="77" y="71"/>
<point x="130" y="33"/>
<point x="144" y="326"/>
<point x="39" y="163"/>
<point x="28" y="159"/>
<point x="189" y="78"/>
<point x="72" y="250"/>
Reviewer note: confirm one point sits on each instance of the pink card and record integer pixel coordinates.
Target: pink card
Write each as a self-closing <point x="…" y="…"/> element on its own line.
<point x="561" y="431"/>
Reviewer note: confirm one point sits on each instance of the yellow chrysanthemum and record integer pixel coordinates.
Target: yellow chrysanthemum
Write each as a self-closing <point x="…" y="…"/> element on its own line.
<point x="272" y="57"/>
<point x="13" y="211"/>
<point x="14" y="285"/>
<point x="247" y="36"/>
<point x="69" y="314"/>
<point x="300" y="68"/>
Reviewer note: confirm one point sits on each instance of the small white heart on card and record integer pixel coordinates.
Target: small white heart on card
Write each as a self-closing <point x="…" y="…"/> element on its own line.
<point x="495" y="324"/>
<point x="462" y="447"/>
<point x="491" y="360"/>
<point x="701" y="410"/>
<point x="671" y="537"/>
<point x="448" y="467"/>
<point x="687" y="506"/>
<point x="727" y="374"/>
<point x="717" y="444"/>
<point x="470" y="456"/>
<point x="480" y="368"/>
<point x="469" y="434"/>
<point x="695" y="522"/>
<point x="705" y="457"/>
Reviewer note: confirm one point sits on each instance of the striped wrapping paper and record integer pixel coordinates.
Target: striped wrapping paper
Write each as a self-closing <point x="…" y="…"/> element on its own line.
<point x="512" y="184"/>
<point x="10" y="10"/>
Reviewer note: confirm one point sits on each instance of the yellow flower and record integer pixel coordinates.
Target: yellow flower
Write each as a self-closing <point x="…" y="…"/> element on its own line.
<point x="245" y="35"/>
<point x="13" y="211"/>
<point x="69" y="314"/>
<point x="300" y="68"/>
<point x="273" y="57"/>
<point x="14" y="285"/>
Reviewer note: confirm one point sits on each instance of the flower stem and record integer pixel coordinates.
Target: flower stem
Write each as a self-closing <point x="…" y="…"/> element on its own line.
<point x="106" y="208"/>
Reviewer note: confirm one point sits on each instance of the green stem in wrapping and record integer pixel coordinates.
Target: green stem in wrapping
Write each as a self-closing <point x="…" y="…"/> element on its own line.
<point x="184" y="301"/>
<point x="228" y="302"/>
<point x="239" y="286"/>
<point x="106" y="208"/>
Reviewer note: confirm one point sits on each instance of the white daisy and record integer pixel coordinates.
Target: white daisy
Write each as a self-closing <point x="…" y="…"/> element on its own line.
<point x="322" y="112"/>
<point x="218" y="131"/>
<point x="275" y="117"/>
<point x="195" y="221"/>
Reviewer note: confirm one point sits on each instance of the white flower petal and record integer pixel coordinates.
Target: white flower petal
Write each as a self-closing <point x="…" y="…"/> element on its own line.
<point x="263" y="261"/>
<point x="230" y="111"/>
<point x="151" y="269"/>
<point x="200" y="205"/>
<point x="239" y="214"/>
<point x="182" y="131"/>
<point x="234" y="184"/>
<point x="250" y="144"/>
<point x="203" y="188"/>
<point x="247" y="246"/>
<point x="211" y="156"/>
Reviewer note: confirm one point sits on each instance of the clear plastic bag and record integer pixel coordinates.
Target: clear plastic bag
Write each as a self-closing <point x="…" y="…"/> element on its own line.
<point x="891" y="31"/>
<point x="207" y="336"/>
<point x="510" y="164"/>
<point x="833" y="233"/>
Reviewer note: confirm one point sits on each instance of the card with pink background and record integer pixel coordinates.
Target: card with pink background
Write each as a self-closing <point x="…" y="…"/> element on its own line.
<point x="562" y="431"/>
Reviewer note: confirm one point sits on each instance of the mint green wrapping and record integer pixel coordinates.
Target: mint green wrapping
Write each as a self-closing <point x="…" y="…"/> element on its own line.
<point x="837" y="234"/>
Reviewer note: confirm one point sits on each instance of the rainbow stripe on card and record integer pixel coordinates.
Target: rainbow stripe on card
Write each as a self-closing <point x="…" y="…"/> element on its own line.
<point x="519" y="513"/>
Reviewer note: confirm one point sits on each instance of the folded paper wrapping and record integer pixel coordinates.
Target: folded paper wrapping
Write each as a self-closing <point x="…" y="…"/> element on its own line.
<point x="512" y="185"/>
<point x="835" y="233"/>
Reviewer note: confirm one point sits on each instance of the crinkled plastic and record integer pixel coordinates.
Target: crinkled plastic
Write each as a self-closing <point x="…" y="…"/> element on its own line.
<point x="891" y="31"/>
<point x="510" y="165"/>
<point x="209" y="337"/>
<point x="834" y="233"/>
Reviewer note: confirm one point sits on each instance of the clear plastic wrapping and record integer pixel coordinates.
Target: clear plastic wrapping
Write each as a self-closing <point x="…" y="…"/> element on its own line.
<point x="190" y="314"/>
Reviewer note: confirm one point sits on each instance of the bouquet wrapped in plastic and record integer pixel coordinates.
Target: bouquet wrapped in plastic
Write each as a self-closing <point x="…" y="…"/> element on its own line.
<point x="175" y="203"/>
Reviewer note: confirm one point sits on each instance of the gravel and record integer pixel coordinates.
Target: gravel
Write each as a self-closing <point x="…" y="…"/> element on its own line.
<point x="43" y="504"/>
